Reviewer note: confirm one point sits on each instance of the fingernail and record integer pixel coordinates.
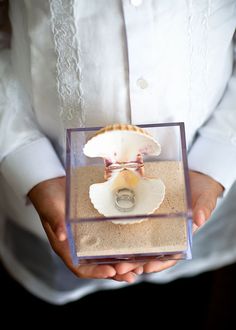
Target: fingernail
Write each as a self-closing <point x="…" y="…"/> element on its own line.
<point x="132" y="279"/>
<point x="201" y="217"/>
<point x="195" y="228"/>
<point x="61" y="235"/>
<point x="139" y="270"/>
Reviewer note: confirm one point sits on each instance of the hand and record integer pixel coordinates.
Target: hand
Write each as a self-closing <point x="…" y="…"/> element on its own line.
<point x="205" y="192"/>
<point x="48" y="198"/>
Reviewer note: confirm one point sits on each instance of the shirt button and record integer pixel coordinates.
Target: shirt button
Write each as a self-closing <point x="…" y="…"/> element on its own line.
<point x="136" y="3"/>
<point x="142" y="83"/>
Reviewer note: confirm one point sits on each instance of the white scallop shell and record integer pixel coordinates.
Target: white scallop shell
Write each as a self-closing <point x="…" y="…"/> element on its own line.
<point x="121" y="145"/>
<point x="149" y="194"/>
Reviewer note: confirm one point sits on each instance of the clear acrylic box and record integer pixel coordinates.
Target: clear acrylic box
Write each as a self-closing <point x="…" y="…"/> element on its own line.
<point x="165" y="234"/>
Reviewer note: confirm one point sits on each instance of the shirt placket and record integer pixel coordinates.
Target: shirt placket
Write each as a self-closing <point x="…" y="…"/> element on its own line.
<point x="138" y="20"/>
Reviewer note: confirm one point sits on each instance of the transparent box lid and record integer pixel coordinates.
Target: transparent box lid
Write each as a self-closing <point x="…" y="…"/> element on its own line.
<point x="132" y="235"/>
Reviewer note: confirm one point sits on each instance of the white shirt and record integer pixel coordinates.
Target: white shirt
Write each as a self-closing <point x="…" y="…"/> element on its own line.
<point x="92" y="63"/>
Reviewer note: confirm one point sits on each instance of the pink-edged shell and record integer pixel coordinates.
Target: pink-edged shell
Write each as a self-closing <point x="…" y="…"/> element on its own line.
<point x="121" y="143"/>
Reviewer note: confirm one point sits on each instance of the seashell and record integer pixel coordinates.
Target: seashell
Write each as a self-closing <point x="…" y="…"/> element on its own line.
<point x="147" y="194"/>
<point x="127" y="190"/>
<point x="121" y="143"/>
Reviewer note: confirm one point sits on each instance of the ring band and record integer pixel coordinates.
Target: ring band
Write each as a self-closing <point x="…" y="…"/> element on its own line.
<point x="125" y="200"/>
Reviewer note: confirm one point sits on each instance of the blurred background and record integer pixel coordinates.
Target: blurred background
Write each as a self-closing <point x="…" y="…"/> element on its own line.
<point x="207" y="301"/>
<point x="5" y="28"/>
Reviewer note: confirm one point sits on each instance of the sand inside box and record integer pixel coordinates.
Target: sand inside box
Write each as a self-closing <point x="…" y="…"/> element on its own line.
<point x="150" y="236"/>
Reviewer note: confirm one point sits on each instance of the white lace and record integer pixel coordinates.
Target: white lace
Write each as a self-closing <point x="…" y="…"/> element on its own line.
<point x="69" y="74"/>
<point x="201" y="52"/>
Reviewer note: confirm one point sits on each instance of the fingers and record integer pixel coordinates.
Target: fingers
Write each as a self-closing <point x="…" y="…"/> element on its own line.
<point x="56" y="218"/>
<point x="96" y="271"/>
<point x="125" y="267"/>
<point x="203" y="208"/>
<point x="158" y="266"/>
<point x="199" y="217"/>
<point x="138" y="270"/>
<point x="205" y="191"/>
<point x="93" y="271"/>
<point x="48" y="198"/>
<point x="195" y="228"/>
<point x="129" y="277"/>
<point x="57" y="224"/>
<point x="82" y="271"/>
<point x="127" y="272"/>
<point x="150" y="267"/>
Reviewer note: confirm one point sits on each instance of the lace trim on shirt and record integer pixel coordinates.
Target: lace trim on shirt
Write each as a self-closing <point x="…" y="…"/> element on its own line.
<point x="198" y="48"/>
<point x="69" y="74"/>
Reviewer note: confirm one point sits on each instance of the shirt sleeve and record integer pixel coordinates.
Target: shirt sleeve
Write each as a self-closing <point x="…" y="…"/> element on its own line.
<point x="26" y="155"/>
<point x="214" y="151"/>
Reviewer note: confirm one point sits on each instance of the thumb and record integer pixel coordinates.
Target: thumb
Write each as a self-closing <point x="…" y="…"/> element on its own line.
<point x="56" y="220"/>
<point x="48" y="198"/>
<point x="203" y="209"/>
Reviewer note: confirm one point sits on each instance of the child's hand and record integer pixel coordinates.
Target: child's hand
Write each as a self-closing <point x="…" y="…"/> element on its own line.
<point x="205" y="192"/>
<point x="48" y="198"/>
